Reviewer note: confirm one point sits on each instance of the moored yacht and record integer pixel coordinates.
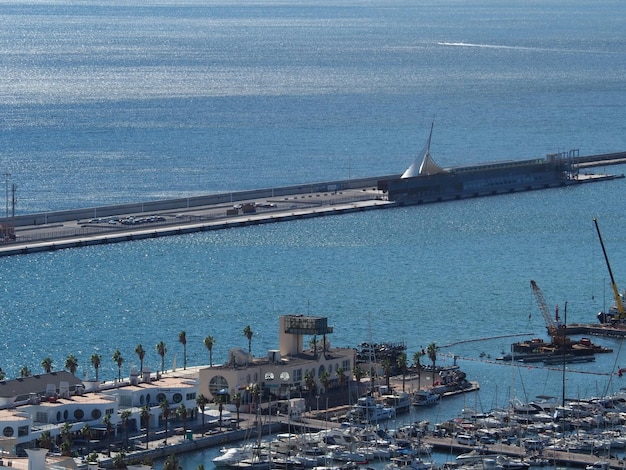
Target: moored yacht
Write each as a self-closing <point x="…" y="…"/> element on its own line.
<point x="425" y="398"/>
<point x="472" y="456"/>
<point x="399" y="401"/>
<point x="368" y="410"/>
<point x="232" y="456"/>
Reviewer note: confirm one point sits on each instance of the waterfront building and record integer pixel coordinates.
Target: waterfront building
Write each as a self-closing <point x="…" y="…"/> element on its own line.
<point x="57" y="401"/>
<point x="283" y="372"/>
<point x="48" y="403"/>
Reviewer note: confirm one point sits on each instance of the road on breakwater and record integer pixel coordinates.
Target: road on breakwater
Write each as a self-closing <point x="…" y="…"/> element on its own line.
<point x="71" y="229"/>
<point x="32" y="233"/>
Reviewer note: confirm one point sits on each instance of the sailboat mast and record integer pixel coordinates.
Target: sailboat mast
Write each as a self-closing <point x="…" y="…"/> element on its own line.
<point x="563" y="373"/>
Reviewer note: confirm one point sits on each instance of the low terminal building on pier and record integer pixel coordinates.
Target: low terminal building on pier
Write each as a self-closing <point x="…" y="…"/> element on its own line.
<point x="425" y="181"/>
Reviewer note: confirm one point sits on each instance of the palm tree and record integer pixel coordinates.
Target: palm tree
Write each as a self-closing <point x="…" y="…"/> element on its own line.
<point x="237" y="400"/>
<point x="209" y="341"/>
<point x="402" y="364"/>
<point x="86" y="434"/>
<point x="341" y="375"/>
<point x="109" y="427"/>
<point x="125" y="417"/>
<point x="182" y="339"/>
<point x="325" y="380"/>
<point x="255" y="392"/>
<point x="165" y="409"/>
<point x="388" y="371"/>
<point x="25" y="372"/>
<point x="119" y="460"/>
<point x="181" y="411"/>
<point x="71" y="364"/>
<point x="45" y="441"/>
<point x="161" y="350"/>
<point x="141" y="353"/>
<point x="220" y="406"/>
<point x="66" y="439"/>
<point x="2" y="374"/>
<point x="417" y="363"/>
<point x="145" y="419"/>
<point x="47" y="365"/>
<point x="96" y="359"/>
<point x="431" y="350"/>
<point x="201" y="402"/>
<point x="309" y="381"/>
<point x="247" y="332"/>
<point x="359" y="373"/>
<point x="119" y="360"/>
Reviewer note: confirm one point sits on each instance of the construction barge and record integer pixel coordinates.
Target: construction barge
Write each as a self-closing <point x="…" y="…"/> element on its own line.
<point x="561" y="348"/>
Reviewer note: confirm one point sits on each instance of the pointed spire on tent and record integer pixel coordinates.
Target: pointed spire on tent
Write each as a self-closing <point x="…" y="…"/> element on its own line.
<point x="424" y="164"/>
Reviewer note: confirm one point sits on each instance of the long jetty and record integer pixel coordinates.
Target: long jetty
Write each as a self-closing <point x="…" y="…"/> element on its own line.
<point x="32" y="233"/>
<point x="160" y="223"/>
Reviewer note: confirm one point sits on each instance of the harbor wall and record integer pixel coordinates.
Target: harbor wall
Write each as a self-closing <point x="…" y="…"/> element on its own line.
<point x="195" y="201"/>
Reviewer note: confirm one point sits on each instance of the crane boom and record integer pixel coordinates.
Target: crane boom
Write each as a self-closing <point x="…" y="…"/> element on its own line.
<point x="555" y="330"/>
<point x="543" y="308"/>
<point x="618" y="298"/>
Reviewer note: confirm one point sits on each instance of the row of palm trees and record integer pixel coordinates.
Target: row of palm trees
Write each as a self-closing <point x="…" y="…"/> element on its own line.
<point x="402" y="365"/>
<point x="71" y="362"/>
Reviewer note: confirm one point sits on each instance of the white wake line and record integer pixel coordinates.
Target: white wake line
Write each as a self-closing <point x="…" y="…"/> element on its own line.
<point x="520" y="48"/>
<point x="487" y="46"/>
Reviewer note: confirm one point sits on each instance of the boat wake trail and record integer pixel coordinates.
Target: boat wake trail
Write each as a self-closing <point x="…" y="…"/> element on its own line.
<point x="519" y="48"/>
<point x="495" y="46"/>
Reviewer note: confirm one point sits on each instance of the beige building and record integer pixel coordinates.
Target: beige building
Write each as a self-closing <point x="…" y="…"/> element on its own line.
<point x="281" y="374"/>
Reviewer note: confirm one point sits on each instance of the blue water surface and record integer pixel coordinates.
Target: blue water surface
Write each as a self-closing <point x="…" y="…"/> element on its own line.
<point x="112" y="102"/>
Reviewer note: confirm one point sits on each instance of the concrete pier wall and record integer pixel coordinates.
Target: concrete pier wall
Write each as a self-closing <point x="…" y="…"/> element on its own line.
<point x="190" y="202"/>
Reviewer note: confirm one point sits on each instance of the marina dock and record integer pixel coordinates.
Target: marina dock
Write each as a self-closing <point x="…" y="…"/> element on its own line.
<point x="248" y="426"/>
<point x="597" y="329"/>
<point x="570" y="459"/>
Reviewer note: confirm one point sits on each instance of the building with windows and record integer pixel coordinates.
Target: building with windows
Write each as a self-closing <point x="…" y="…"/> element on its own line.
<point x="46" y="403"/>
<point x="283" y="372"/>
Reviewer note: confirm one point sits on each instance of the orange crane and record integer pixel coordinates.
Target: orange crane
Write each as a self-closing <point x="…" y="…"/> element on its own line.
<point x="555" y="330"/>
<point x="616" y="313"/>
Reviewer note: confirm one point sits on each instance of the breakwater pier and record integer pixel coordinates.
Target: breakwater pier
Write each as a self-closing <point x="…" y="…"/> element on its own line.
<point x="32" y="233"/>
<point x="113" y="224"/>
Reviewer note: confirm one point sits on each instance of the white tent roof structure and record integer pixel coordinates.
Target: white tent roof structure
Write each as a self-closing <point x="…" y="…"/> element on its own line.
<point x="424" y="163"/>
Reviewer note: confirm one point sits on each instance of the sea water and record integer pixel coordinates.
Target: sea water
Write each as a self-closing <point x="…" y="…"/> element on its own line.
<point x="113" y="102"/>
